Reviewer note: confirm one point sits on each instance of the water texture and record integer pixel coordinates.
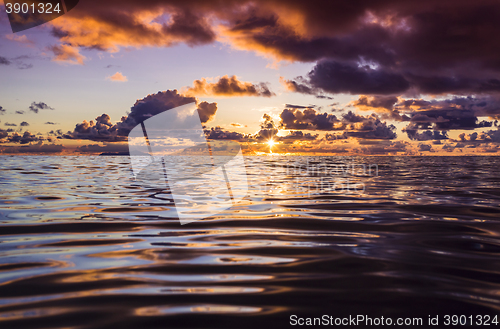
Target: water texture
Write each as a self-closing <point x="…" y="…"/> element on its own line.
<point x="83" y="245"/>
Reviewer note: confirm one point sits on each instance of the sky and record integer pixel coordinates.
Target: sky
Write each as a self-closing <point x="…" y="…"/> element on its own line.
<point x="367" y="77"/>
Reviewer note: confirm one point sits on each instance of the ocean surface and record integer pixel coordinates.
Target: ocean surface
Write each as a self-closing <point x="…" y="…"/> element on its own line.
<point x="84" y="245"/>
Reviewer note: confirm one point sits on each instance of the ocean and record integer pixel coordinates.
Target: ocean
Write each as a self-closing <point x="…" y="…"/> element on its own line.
<point x="84" y="245"/>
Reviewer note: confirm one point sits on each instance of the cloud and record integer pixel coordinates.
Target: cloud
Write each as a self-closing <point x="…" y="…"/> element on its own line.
<point x="24" y="124"/>
<point x="37" y="148"/>
<point x="3" y="134"/>
<point x="35" y="107"/>
<point x="24" y="138"/>
<point x="118" y="76"/>
<point x="98" y="25"/>
<point x="458" y="113"/>
<point x="298" y="135"/>
<point x="102" y="129"/>
<point x="335" y="77"/>
<point x="389" y="46"/>
<point x="228" y="87"/>
<point x="309" y="119"/>
<point x="293" y="106"/>
<point x="4" y="61"/>
<point x="380" y="104"/>
<point x="298" y="87"/>
<point x="67" y="54"/>
<point x="217" y="133"/>
<point x="237" y="125"/>
<point x="10" y="124"/>
<point x="268" y="129"/>
<point x="490" y="136"/>
<point x="50" y="123"/>
<point x="351" y="124"/>
<point x="207" y="111"/>
<point x="445" y="49"/>
<point x="20" y="38"/>
<point x="384" y="147"/>
<point x="156" y="103"/>
<point x="2" y="110"/>
<point x="20" y="112"/>
<point x="425" y="147"/>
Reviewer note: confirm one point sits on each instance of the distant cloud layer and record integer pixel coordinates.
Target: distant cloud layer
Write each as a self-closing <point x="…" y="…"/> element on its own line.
<point x="227" y="86"/>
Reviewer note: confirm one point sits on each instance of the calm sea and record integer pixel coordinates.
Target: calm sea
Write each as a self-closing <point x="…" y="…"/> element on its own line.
<point x="83" y="245"/>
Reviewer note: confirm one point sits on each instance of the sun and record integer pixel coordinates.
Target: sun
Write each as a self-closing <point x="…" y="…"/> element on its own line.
<point x="271" y="142"/>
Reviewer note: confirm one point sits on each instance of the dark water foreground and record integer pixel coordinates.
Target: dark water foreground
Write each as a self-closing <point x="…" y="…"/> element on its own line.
<point x="83" y="246"/>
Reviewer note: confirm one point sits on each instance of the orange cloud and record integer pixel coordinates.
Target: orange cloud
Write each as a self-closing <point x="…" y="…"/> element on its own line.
<point x="118" y="76"/>
<point x="227" y="87"/>
<point x="20" y="38"/>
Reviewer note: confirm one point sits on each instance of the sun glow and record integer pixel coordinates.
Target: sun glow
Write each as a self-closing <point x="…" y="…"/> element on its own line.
<point x="271" y="143"/>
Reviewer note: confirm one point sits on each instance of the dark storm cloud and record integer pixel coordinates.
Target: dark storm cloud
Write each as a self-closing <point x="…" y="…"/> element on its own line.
<point x="450" y="84"/>
<point x="207" y="111"/>
<point x="432" y="48"/>
<point x="36" y="107"/>
<point x="335" y="77"/>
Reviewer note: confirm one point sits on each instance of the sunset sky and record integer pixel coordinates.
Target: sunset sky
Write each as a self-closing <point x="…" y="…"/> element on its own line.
<point x="369" y="77"/>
